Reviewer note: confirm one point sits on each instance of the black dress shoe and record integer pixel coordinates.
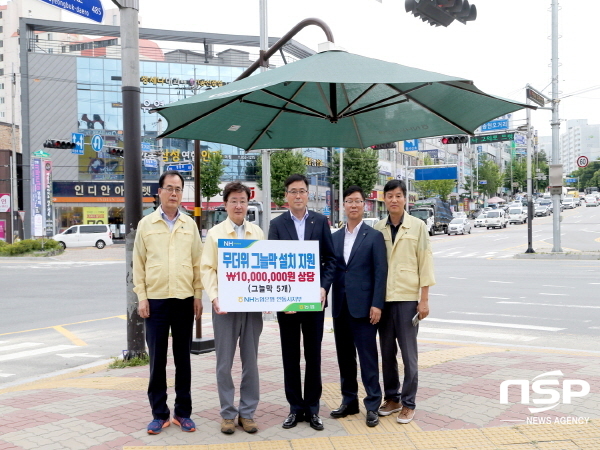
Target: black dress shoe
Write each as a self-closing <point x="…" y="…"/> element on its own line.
<point x="344" y="410"/>
<point x="292" y="420"/>
<point x="316" y="422"/>
<point x="372" y="419"/>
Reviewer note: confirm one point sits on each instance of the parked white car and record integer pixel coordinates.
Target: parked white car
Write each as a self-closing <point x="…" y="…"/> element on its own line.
<point x="98" y="236"/>
<point x="517" y="215"/>
<point x="460" y="225"/>
<point x="496" y="219"/>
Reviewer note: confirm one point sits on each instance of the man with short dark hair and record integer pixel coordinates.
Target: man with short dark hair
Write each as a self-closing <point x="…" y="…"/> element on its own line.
<point x="166" y="276"/>
<point x="358" y="298"/>
<point x="302" y="224"/>
<point x="233" y="328"/>
<point x="410" y="273"/>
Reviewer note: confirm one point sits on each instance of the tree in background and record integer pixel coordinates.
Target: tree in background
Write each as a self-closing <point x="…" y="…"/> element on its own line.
<point x="211" y="171"/>
<point x="490" y="172"/>
<point x="361" y="168"/>
<point x="588" y="176"/>
<point x="434" y="188"/>
<point x="283" y="164"/>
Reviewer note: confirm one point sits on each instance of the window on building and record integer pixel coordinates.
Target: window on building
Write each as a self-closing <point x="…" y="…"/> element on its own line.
<point x="1" y="100"/>
<point x="1" y="86"/>
<point x="2" y="114"/>
<point x="1" y="57"/>
<point x="1" y="43"/>
<point x="1" y="29"/>
<point x="1" y="72"/>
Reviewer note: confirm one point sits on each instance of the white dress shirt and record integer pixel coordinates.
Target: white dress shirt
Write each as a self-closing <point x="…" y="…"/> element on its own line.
<point x="300" y="224"/>
<point x="239" y="229"/>
<point x="349" y="239"/>
<point x="170" y="223"/>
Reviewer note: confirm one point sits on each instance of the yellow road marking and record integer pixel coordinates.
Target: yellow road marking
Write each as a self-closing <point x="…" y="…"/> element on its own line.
<point x="63" y="325"/>
<point x="71" y="336"/>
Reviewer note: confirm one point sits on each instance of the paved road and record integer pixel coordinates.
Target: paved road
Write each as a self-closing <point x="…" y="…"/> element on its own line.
<point x="68" y="311"/>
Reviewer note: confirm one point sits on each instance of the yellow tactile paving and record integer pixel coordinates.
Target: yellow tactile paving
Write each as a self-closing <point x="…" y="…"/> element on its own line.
<point x="505" y="436"/>
<point x="270" y="445"/>
<point x="558" y="432"/>
<point x="111" y="383"/>
<point x="449" y="438"/>
<point x="350" y="442"/>
<point x="561" y="445"/>
<point x="145" y="447"/>
<point x="187" y="447"/>
<point x="391" y="442"/>
<point x="435" y="357"/>
<point x="587" y="444"/>
<point x="232" y="446"/>
<point x="312" y="444"/>
<point x="517" y="447"/>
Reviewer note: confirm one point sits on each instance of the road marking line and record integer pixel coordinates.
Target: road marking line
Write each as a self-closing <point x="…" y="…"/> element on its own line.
<point x="499" y="298"/>
<point x="39" y="351"/>
<point x="75" y="355"/>
<point x="468" y="255"/>
<point x="63" y="325"/>
<point x="6" y="375"/>
<point x="552" y="285"/>
<point x="545" y="293"/>
<point x="71" y="336"/>
<point x="500" y="315"/>
<point x="124" y="317"/>
<point x="508" y="337"/>
<point x="457" y="278"/>
<point x="499" y="239"/>
<point x="550" y="304"/>
<point x="594" y="283"/>
<point x="18" y="346"/>
<point x="506" y="282"/>
<point x="495" y="324"/>
<point x="442" y="295"/>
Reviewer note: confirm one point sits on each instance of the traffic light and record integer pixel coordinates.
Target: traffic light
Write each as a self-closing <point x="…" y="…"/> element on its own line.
<point x="115" y="151"/>
<point x="455" y="140"/>
<point x="59" y="144"/>
<point x="441" y="12"/>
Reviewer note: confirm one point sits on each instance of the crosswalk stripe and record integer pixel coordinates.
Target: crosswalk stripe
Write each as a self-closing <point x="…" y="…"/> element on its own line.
<point x="38" y="351"/>
<point x="7" y="348"/>
<point x="478" y="334"/>
<point x="495" y="324"/>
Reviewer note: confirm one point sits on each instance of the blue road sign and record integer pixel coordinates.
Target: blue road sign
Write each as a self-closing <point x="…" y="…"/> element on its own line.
<point x="571" y="180"/>
<point x="180" y="167"/>
<point x="90" y="9"/>
<point x="411" y="145"/>
<point x="436" y="173"/>
<point x="482" y="181"/>
<point x="77" y="139"/>
<point x="151" y="163"/>
<point x="480" y="149"/>
<point x="97" y="143"/>
<point x="326" y="211"/>
<point x="495" y="125"/>
<point x="146" y="147"/>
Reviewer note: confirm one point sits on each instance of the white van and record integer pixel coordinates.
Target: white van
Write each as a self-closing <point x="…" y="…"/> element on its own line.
<point x="85" y="236"/>
<point x="517" y="215"/>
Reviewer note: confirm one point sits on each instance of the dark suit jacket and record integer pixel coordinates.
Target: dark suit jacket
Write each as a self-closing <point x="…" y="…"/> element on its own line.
<point x="363" y="280"/>
<point x="316" y="229"/>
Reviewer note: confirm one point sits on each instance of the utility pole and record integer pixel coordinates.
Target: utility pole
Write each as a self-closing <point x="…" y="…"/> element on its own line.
<point x="555" y="126"/>
<point x="14" y="191"/>
<point x="265" y="154"/>
<point x="130" y="89"/>
<point x="529" y="186"/>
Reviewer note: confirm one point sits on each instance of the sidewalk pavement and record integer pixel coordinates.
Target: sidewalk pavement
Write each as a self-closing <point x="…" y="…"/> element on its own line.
<point x="458" y="405"/>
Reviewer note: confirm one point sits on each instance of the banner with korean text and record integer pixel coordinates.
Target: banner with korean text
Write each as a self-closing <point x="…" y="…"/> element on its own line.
<point x="268" y="275"/>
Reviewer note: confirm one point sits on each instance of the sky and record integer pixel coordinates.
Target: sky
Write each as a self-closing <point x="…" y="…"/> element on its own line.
<point x="507" y="46"/>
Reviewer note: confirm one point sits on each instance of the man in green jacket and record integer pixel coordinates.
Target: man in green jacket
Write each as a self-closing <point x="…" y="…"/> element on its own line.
<point x="410" y="273"/>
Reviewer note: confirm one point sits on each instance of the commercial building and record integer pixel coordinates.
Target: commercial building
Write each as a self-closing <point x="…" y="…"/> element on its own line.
<point x="578" y="139"/>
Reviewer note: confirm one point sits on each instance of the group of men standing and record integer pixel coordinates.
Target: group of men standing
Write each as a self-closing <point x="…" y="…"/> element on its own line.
<point x="380" y="280"/>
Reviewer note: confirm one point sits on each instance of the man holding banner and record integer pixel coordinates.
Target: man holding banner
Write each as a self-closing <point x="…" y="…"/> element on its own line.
<point x="303" y="225"/>
<point x="231" y="328"/>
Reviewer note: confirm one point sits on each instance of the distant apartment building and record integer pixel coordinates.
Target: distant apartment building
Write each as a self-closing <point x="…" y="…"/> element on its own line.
<point x="579" y="139"/>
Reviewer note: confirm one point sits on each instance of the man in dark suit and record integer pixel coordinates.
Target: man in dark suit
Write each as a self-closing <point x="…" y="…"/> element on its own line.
<point x="358" y="298"/>
<point x="304" y="225"/>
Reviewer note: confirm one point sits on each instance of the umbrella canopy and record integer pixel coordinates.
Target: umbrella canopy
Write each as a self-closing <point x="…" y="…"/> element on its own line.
<point x="496" y="200"/>
<point x="336" y="99"/>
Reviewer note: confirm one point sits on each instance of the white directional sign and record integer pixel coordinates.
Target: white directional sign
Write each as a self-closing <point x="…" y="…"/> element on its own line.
<point x="97" y="142"/>
<point x="582" y="161"/>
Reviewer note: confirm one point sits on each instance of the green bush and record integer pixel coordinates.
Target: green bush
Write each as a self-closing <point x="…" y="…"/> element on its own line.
<point x="28" y="246"/>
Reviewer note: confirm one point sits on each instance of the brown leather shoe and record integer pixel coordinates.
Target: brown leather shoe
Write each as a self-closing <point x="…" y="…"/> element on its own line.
<point x="249" y="425"/>
<point x="406" y="415"/>
<point x="389" y="407"/>
<point x="227" y="426"/>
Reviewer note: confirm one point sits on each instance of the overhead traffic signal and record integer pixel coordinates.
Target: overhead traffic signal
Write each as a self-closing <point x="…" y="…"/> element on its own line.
<point x="442" y="12"/>
<point x="59" y="144"/>
<point x="455" y="140"/>
<point x="115" y="151"/>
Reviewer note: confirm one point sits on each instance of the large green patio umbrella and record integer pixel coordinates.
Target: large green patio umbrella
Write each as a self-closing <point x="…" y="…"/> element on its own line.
<point x="336" y="99"/>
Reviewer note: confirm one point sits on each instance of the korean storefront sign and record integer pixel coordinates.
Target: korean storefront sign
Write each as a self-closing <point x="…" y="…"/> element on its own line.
<point x="2" y="230"/>
<point x="97" y="191"/>
<point x="268" y="275"/>
<point x="38" y="197"/>
<point x="4" y="203"/>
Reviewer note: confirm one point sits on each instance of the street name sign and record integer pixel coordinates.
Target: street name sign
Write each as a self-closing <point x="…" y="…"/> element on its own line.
<point x="535" y="97"/>
<point x="146" y="147"/>
<point x="90" y="9"/>
<point x="571" y="180"/>
<point x="483" y="139"/>
<point x="151" y="163"/>
<point x="180" y="167"/>
<point x="41" y="154"/>
<point x="482" y="181"/>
